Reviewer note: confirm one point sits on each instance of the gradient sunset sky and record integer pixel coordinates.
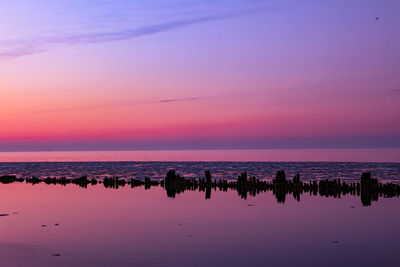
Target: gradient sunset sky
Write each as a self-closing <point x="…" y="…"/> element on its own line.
<point x="169" y="74"/>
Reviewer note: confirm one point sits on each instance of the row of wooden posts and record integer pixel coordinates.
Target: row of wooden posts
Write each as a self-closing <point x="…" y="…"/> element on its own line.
<point x="368" y="189"/>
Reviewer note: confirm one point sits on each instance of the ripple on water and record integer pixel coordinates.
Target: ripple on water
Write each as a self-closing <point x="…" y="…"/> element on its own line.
<point x="220" y="170"/>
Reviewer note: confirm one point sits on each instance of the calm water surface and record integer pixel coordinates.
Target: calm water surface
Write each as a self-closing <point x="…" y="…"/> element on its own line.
<point x="137" y="227"/>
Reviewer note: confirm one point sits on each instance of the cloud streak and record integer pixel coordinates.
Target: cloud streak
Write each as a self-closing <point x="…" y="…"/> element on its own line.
<point x="18" y="48"/>
<point x="122" y="104"/>
<point x="178" y="99"/>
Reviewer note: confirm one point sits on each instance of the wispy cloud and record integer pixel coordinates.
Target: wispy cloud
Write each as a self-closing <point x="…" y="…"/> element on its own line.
<point x="121" y="104"/>
<point x="20" y="51"/>
<point x="18" y="48"/>
<point x="178" y="99"/>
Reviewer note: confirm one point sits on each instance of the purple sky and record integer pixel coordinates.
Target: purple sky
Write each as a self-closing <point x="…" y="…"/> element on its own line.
<point x="199" y="74"/>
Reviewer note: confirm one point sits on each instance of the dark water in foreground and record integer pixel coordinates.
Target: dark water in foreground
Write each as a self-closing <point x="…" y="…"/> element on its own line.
<point x="98" y="226"/>
<point x="55" y="225"/>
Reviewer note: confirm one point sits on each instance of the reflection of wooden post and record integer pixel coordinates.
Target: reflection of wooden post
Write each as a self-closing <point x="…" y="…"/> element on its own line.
<point x="279" y="186"/>
<point x="208" y="192"/>
<point x="242" y="185"/>
<point x="369" y="189"/>
<point x="207" y="173"/>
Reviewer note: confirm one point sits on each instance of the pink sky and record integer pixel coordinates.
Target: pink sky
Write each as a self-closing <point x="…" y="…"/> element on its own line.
<point x="290" y="71"/>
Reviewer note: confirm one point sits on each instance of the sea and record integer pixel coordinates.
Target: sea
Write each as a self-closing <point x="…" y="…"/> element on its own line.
<point x="311" y="164"/>
<point x="70" y="225"/>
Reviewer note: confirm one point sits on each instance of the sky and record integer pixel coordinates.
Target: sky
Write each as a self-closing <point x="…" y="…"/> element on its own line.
<point x="174" y="74"/>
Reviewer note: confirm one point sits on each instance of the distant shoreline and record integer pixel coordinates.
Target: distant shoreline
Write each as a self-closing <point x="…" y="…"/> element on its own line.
<point x="204" y="155"/>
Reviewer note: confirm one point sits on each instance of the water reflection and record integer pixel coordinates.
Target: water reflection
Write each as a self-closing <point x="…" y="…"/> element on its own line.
<point x="368" y="189"/>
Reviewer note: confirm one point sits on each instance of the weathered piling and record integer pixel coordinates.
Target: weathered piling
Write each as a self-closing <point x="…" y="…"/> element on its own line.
<point x="7" y="179"/>
<point x="368" y="189"/>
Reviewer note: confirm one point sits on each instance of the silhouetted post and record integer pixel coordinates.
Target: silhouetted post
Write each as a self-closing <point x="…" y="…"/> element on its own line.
<point x="280" y="177"/>
<point x="208" y="176"/>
